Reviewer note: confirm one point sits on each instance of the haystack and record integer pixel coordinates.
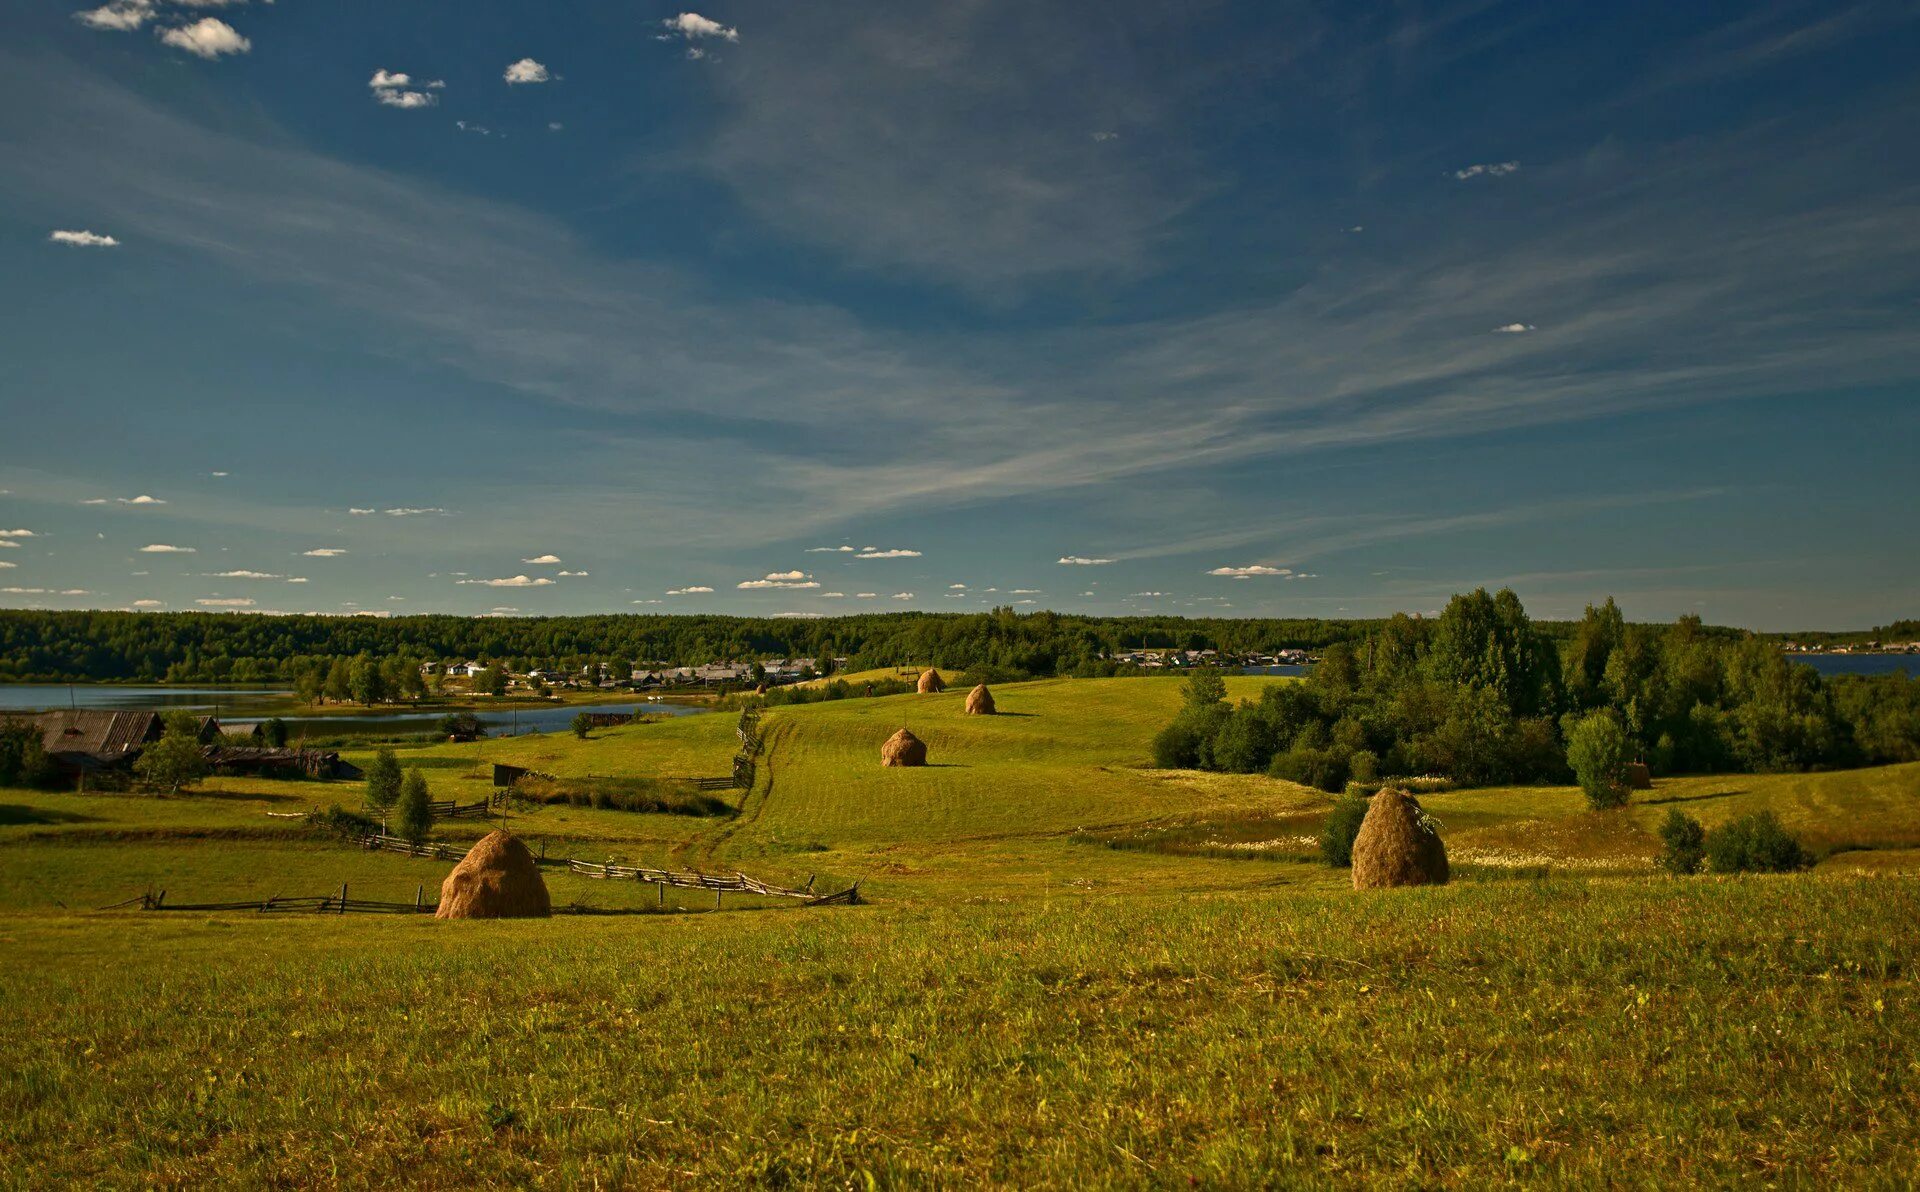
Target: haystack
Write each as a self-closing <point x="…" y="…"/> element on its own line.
<point x="980" y="702"/>
<point x="1639" y="778"/>
<point x="931" y="682"/>
<point x="1397" y="845"/>
<point x="903" y="749"/>
<point x="497" y="879"/>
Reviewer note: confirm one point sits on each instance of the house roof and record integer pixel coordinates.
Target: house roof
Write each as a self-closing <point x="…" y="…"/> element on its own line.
<point x="108" y="736"/>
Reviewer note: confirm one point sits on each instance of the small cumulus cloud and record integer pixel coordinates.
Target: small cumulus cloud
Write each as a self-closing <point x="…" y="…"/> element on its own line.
<point x="693" y="590"/>
<point x="16" y="533"/>
<point x="576" y="574"/>
<point x="1149" y="594"/>
<point x="207" y="38"/>
<point x="692" y="26"/>
<point x="832" y="595"/>
<point x="903" y="595"/>
<point x="844" y="550"/>
<point x="1082" y="561"/>
<point x="1490" y="169"/>
<point x="894" y="553"/>
<point x="1250" y="571"/>
<point x="120" y="16"/>
<point x="161" y="548"/>
<point x="780" y="579"/>
<point x="245" y="575"/>
<point x="865" y="595"/>
<point x="323" y="552"/>
<point x="542" y="559"/>
<point x="1513" y="329"/>
<point x="956" y="587"/>
<point x="405" y="100"/>
<point x="410" y="511"/>
<point x="82" y="239"/>
<point x="149" y="604"/>
<point x="526" y="71"/>
<point x="511" y="581"/>
<point x="4" y="563"/>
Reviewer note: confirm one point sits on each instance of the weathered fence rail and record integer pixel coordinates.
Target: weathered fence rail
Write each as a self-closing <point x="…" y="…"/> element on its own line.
<point x="325" y="904"/>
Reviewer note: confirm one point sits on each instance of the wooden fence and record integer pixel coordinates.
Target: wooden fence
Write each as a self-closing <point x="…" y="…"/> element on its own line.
<point x="326" y="904"/>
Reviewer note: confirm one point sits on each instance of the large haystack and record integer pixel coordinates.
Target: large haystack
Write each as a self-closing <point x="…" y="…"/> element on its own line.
<point x="980" y="702"/>
<point x="931" y="682"/>
<point x="1397" y="845"/>
<point x="1639" y="778"/>
<point x="903" y="749"/>
<point x="497" y="879"/>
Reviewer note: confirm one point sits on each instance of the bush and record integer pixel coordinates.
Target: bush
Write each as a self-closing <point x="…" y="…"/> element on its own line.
<point x="1597" y="751"/>
<point x="1683" y="843"/>
<point x="1755" y="844"/>
<point x="274" y="732"/>
<point x="1342" y="826"/>
<point x="338" y="819"/>
<point x="23" y="760"/>
<point x="1365" y="765"/>
<point x="1324" y="769"/>
<point x="582" y="724"/>
<point x="461" y="724"/>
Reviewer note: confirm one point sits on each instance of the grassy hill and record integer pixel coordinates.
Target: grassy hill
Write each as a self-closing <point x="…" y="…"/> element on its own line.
<point x="1074" y="970"/>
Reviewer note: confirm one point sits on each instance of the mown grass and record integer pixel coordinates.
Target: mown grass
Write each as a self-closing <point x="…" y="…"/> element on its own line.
<point x="1707" y="1032"/>
<point x="1075" y="971"/>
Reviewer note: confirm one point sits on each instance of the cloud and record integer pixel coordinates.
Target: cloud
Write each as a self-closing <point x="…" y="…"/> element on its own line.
<point x="119" y="15"/>
<point x="956" y="587"/>
<point x="798" y="616"/>
<point x="689" y="591"/>
<point x="16" y="534"/>
<point x="779" y="579"/>
<point x="480" y="130"/>
<point x="845" y="550"/>
<point x="903" y="595"/>
<point x="358" y="512"/>
<point x="142" y="499"/>
<point x="1513" y="329"/>
<point x="1082" y="561"/>
<point x="409" y="511"/>
<point x="1249" y="572"/>
<point x="832" y="595"/>
<point x="245" y="575"/>
<point x="542" y="559"/>
<point x="691" y="25"/>
<point x="526" y="71"/>
<point x="148" y="604"/>
<point x="219" y="475"/>
<point x="405" y="99"/>
<point x="4" y="563"/>
<point x="871" y="553"/>
<point x="226" y="602"/>
<point x="1026" y="592"/>
<point x="787" y="575"/>
<point x="296" y="579"/>
<point x="389" y="78"/>
<point x="512" y="581"/>
<point x="161" y="548"/>
<point x="206" y="38"/>
<point x="579" y="574"/>
<point x="82" y="239"/>
<point x="1149" y="594"/>
<point x="324" y="552"/>
<point x="1493" y="169"/>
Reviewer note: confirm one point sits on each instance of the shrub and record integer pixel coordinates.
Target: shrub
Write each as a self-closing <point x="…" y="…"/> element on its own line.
<point x="338" y="819"/>
<point x="1365" y="765"/>
<point x="461" y="724"/>
<point x="1342" y="826"/>
<point x="274" y="732"/>
<point x="23" y="760"/>
<point x="1597" y="751"/>
<point x="1325" y="769"/>
<point x="1755" y="844"/>
<point x="416" y="812"/>
<point x="1683" y="843"/>
<point x="173" y="762"/>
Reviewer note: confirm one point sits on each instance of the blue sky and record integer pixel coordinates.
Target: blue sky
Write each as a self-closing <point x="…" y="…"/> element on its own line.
<point x="1255" y="309"/>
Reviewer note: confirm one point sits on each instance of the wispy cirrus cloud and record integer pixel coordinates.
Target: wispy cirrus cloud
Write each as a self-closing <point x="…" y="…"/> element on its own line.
<point x="324" y="552"/>
<point x="891" y="553"/>
<point x="1082" y="561"/>
<point x="226" y="602"/>
<point x="1489" y="169"/>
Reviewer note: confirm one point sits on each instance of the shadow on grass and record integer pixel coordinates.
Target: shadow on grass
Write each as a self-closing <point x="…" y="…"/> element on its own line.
<point x="946" y="766"/>
<point x="260" y="797"/>
<point x="13" y="814"/>
<point x="1689" y="798"/>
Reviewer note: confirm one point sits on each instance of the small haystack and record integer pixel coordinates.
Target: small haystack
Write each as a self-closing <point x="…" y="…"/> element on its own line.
<point x="1397" y="845"/>
<point x="497" y="879"/>
<point x="903" y="749"/>
<point x="1639" y="778"/>
<point x="980" y="702"/>
<point x="931" y="682"/>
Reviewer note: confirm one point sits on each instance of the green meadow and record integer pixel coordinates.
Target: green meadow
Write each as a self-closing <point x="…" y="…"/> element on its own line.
<point x="1070" y="970"/>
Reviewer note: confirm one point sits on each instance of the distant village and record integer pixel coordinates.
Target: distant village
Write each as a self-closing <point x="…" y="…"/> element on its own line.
<point x="1869" y="647"/>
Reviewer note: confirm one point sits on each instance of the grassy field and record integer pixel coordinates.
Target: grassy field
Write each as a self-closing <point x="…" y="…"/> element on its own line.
<point x="1073" y="970"/>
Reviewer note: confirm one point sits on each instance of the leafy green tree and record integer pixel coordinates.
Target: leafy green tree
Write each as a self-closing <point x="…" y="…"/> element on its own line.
<point x="1683" y="843"/>
<point x="461" y="724"/>
<point x="1598" y="752"/>
<point x="416" y="807"/>
<point x="1204" y="689"/>
<point x="339" y="685"/>
<point x="23" y="759"/>
<point x="366" y="682"/>
<point x="310" y="685"/>
<point x="174" y="762"/>
<point x="582" y="724"/>
<point x="1755" y="844"/>
<point x="274" y="732"/>
<point x="491" y="680"/>
<point x="383" y="780"/>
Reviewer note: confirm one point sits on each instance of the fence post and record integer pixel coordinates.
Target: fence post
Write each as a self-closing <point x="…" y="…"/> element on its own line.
<point x="419" y="896"/>
<point x="663" y="893"/>
<point x="343" y="898"/>
<point x="716" y="900"/>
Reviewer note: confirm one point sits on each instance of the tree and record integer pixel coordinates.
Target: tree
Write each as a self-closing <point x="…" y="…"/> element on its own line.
<point x="1204" y="689"/>
<point x="1683" y="843"/>
<point x="338" y="686"/>
<point x="23" y="760"/>
<point x="274" y="732"/>
<point x="1598" y="752"/>
<point x="310" y="685"/>
<point x="173" y="762"/>
<point x="1342" y="827"/>
<point x="1755" y="844"/>
<point x="366" y="682"/>
<point x="383" y="780"/>
<point x="416" y="807"/>
<point x="491" y="680"/>
<point x="582" y="724"/>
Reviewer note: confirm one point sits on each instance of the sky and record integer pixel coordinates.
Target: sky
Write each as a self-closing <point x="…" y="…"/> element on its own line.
<point x="1262" y="309"/>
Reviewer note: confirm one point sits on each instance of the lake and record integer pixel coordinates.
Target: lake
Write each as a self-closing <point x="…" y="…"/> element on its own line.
<point x="249" y="705"/>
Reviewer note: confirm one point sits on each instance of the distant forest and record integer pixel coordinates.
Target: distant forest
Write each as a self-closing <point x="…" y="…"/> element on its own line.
<point x="41" y="646"/>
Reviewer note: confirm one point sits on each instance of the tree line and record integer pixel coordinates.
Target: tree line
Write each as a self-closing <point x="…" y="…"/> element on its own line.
<point x="1482" y="695"/>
